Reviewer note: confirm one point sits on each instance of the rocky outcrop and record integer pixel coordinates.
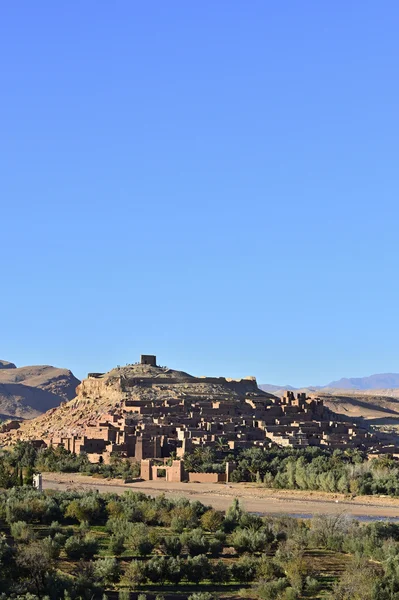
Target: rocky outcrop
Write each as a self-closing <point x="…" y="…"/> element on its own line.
<point x="4" y="364"/>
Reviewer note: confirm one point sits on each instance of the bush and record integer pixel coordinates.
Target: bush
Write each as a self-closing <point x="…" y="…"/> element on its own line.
<point x="215" y="547"/>
<point x="172" y="545"/>
<point x="135" y="574"/>
<point x="201" y="596"/>
<point x="106" y="570"/>
<point x="220" y="573"/>
<point x="195" y="542"/>
<point x="312" y="586"/>
<point x="267" y="569"/>
<point x="139" y="539"/>
<point x="198" y="568"/>
<point x="272" y="590"/>
<point x="32" y="508"/>
<point x="177" y="524"/>
<point x="21" y="532"/>
<point x="35" y="564"/>
<point x="86" y="509"/>
<point x="211" y="520"/>
<point x="77" y="547"/>
<point x="116" y="544"/>
<point x="156" y="569"/>
<point x="244" y="569"/>
<point x="54" y="528"/>
<point x="175" y="570"/>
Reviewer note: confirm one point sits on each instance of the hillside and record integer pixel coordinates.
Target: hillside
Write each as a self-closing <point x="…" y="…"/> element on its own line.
<point x="112" y="392"/>
<point x="375" y="397"/>
<point x="373" y="405"/>
<point x="27" y="392"/>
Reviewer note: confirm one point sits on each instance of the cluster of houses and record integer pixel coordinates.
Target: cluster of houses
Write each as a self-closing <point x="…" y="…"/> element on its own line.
<point x="154" y="413"/>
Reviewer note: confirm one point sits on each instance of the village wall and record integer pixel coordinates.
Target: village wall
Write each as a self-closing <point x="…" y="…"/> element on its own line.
<point x="207" y="477"/>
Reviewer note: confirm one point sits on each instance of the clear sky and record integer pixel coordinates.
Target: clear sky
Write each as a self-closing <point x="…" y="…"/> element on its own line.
<point x="212" y="182"/>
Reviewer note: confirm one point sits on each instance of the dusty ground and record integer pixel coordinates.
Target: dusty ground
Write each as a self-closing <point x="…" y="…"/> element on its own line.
<point x="254" y="499"/>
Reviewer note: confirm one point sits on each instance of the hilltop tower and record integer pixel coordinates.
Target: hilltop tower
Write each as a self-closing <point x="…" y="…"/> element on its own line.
<point x="148" y="359"/>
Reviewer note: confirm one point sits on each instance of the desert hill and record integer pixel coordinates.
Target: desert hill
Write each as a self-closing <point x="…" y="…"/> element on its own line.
<point x="4" y="364"/>
<point x="112" y="392"/>
<point x="375" y="397"/>
<point x="27" y="392"/>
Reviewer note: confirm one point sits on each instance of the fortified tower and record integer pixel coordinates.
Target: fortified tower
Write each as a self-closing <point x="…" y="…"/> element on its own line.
<point x="148" y="359"/>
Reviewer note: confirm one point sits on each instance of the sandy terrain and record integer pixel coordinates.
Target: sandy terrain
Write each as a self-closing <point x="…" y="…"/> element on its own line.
<point x="253" y="498"/>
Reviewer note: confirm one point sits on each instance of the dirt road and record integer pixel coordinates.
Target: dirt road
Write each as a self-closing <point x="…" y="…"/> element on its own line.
<point x="253" y="498"/>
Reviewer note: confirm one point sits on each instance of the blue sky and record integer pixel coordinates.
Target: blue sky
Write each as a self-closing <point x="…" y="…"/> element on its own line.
<point x="212" y="182"/>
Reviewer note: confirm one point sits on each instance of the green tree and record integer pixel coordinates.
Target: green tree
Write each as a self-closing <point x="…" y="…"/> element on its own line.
<point x="135" y="573"/>
<point x="36" y="564"/>
<point x="106" y="570"/>
<point x="211" y="520"/>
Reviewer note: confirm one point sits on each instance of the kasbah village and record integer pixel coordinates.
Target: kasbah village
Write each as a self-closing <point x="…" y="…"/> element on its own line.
<point x="150" y="414"/>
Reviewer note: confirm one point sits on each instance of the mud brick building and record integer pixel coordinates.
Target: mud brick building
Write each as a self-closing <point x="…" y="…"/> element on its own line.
<point x="145" y="412"/>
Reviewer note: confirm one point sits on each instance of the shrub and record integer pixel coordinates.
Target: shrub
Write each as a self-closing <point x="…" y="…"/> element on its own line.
<point x="54" y="528"/>
<point x="201" y="596"/>
<point x="135" y="574"/>
<point x="220" y="573"/>
<point x="85" y="509"/>
<point x="272" y="590"/>
<point x="139" y="539"/>
<point x="21" y="532"/>
<point x="198" y="568"/>
<point x="156" y="569"/>
<point x="106" y="570"/>
<point x="35" y="563"/>
<point x="116" y="544"/>
<point x="211" y="520"/>
<point x="77" y="547"/>
<point x="172" y="545"/>
<point x="312" y="585"/>
<point x="195" y="542"/>
<point x="215" y="547"/>
<point x="177" y="524"/>
<point x="32" y="508"/>
<point x="267" y="569"/>
<point x="244" y="569"/>
<point x="175" y="570"/>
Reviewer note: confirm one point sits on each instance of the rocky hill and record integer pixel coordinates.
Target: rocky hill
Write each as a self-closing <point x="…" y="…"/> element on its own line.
<point x="27" y="392"/>
<point x="112" y="392"/>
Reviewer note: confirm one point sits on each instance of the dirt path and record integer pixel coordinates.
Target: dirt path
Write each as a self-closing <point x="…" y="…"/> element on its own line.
<point x="254" y="499"/>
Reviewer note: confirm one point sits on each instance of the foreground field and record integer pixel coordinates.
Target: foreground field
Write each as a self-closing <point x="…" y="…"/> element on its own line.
<point x="82" y="545"/>
<point x="254" y="499"/>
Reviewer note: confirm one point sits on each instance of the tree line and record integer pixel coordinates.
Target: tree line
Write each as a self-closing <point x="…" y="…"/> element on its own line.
<point x="312" y="468"/>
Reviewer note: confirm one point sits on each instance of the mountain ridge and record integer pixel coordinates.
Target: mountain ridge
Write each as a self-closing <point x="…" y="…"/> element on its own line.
<point x="378" y="381"/>
<point x="27" y="392"/>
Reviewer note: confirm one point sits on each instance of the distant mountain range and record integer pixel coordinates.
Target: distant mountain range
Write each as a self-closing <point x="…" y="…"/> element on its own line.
<point x="27" y="392"/>
<point x="380" y="381"/>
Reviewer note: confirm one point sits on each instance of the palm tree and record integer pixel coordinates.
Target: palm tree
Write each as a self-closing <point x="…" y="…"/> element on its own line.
<point x="220" y="444"/>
